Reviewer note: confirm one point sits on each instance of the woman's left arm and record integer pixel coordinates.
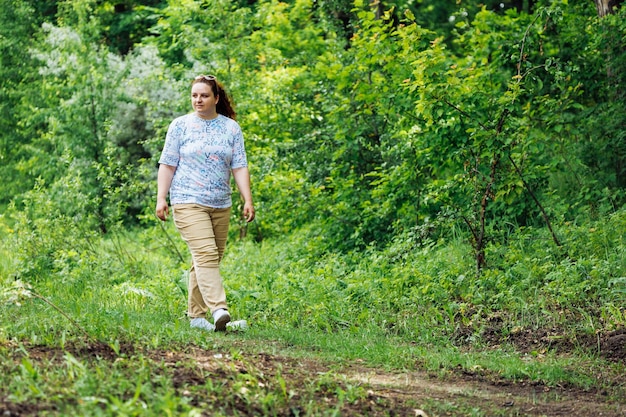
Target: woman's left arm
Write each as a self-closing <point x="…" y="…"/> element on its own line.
<point x="242" y="179"/>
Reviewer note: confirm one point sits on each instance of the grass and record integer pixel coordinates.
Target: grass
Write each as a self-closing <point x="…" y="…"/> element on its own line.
<point x="96" y="337"/>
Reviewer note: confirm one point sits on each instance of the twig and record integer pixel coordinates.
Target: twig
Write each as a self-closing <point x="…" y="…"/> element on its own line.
<point x="74" y="322"/>
<point x="521" y="50"/>
<point x="464" y="113"/>
<point x="180" y="256"/>
<point x="556" y="240"/>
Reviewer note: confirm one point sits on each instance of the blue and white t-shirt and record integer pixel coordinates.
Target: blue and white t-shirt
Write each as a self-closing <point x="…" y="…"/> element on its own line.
<point x="204" y="152"/>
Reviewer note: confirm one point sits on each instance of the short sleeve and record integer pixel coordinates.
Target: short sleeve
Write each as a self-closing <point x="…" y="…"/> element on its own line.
<point x="239" y="150"/>
<point x="171" y="150"/>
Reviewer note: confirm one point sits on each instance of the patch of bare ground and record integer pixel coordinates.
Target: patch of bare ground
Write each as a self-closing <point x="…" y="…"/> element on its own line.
<point x="491" y="398"/>
<point x="608" y="345"/>
<point x="383" y="393"/>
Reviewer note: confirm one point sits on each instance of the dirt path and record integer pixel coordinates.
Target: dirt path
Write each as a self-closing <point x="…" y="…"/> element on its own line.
<point x="491" y="399"/>
<point x="378" y="392"/>
<point x="418" y="394"/>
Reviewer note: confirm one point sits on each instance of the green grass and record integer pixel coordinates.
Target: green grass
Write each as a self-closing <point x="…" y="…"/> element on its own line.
<point x="408" y="307"/>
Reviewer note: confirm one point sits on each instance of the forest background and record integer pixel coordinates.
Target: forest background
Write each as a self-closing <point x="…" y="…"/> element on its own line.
<point x="441" y="172"/>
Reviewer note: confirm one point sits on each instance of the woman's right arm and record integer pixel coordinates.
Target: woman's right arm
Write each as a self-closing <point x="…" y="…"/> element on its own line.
<point x="164" y="181"/>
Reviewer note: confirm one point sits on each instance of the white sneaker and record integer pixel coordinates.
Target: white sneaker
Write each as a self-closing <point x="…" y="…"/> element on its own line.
<point x="202" y="323"/>
<point x="237" y="325"/>
<point x="220" y="319"/>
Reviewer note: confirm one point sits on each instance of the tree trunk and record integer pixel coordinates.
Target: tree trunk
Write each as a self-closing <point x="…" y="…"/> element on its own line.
<point x="606" y="7"/>
<point x="377" y="8"/>
<point x="525" y="6"/>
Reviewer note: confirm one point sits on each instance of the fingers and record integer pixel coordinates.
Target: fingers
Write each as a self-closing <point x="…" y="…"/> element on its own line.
<point x="162" y="212"/>
<point x="248" y="213"/>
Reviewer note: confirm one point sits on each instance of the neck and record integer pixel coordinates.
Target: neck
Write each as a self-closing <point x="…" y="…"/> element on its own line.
<point x="205" y="116"/>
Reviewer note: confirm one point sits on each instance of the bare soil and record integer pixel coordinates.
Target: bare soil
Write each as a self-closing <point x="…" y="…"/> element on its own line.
<point x="414" y="393"/>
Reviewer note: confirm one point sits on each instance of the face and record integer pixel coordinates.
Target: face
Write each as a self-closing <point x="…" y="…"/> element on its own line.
<point x="203" y="100"/>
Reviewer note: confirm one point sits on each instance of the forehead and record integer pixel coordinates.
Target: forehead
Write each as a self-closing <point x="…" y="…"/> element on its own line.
<point x="201" y="88"/>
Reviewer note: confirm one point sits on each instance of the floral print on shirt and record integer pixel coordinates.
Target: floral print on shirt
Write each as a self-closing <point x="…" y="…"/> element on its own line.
<point x="204" y="152"/>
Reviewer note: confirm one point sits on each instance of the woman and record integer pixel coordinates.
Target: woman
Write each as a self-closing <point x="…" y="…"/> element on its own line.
<point x="201" y="150"/>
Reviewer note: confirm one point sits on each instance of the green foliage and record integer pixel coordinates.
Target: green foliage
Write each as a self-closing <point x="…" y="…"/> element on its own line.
<point x="127" y="22"/>
<point x="409" y="288"/>
<point x="468" y="124"/>
<point x="418" y="172"/>
<point x="93" y="117"/>
<point x="16" y="28"/>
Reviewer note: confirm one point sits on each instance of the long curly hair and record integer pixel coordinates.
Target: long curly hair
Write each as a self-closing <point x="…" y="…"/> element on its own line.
<point x="224" y="106"/>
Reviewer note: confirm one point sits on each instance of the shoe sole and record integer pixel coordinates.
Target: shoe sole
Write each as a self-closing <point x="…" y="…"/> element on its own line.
<point x="203" y="326"/>
<point x="237" y="325"/>
<point x="220" y="324"/>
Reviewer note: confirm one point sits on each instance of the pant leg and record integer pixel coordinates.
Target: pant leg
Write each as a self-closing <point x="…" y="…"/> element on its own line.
<point x="196" y="307"/>
<point x="196" y="226"/>
<point x="221" y="220"/>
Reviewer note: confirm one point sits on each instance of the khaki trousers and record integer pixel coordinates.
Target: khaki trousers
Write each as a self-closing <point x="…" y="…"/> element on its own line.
<point x="205" y="230"/>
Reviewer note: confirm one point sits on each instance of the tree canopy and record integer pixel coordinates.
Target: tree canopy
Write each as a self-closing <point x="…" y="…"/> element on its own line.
<point x="363" y="121"/>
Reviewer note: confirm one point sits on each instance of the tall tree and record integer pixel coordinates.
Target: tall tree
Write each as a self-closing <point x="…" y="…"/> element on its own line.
<point x="606" y="7"/>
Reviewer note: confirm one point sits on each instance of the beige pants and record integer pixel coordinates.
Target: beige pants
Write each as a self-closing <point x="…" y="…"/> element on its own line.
<point x="205" y="230"/>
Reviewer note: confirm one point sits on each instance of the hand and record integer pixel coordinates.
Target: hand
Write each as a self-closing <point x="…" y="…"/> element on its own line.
<point x="248" y="212"/>
<point x="162" y="209"/>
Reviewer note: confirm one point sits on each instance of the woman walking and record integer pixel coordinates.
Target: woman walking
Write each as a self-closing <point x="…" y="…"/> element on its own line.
<point x="201" y="151"/>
